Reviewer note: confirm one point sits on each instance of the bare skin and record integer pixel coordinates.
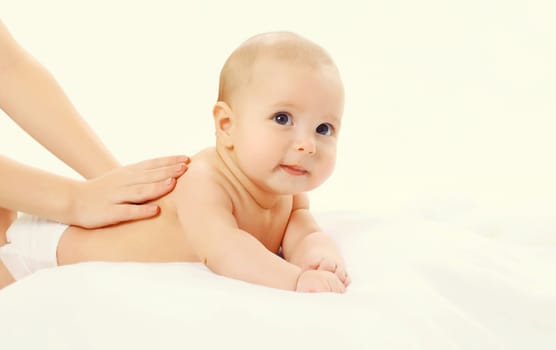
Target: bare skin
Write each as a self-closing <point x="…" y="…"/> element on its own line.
<point x="162" y="239"/>
<point x="32" y="98"/>
<point x="242" y="201"/>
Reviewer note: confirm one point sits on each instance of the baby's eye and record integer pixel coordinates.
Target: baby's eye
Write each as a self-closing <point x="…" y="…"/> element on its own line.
<point x="325" y="129"/>
<point x="282" y="119"/>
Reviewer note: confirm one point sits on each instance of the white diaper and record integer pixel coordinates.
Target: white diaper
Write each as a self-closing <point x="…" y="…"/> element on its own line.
<point x="32" y="245"/>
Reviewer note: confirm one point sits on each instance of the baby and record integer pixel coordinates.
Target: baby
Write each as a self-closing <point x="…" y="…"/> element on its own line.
<point x="241" y="208"/>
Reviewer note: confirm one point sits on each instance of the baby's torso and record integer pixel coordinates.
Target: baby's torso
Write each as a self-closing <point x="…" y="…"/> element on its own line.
<point x="159" y="239"/>
<point x="162" y="239"/>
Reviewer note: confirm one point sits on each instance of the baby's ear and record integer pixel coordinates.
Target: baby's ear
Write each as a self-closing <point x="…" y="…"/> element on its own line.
<point x="223" y="123"/>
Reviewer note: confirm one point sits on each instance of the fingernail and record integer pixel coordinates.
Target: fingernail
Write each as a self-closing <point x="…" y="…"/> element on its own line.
<point x="168" y="181"/>
<point x="152" y="209"/>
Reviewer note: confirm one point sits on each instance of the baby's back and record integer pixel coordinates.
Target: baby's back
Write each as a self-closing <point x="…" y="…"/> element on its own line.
<point x="159" y="239"/>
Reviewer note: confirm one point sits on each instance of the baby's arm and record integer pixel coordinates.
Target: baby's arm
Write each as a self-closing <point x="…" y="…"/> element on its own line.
<point x="205" y="213"/>
<point x="306" y="246"/>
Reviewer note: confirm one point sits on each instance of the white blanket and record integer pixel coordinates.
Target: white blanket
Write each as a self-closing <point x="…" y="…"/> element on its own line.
<point x="435" y="278"/>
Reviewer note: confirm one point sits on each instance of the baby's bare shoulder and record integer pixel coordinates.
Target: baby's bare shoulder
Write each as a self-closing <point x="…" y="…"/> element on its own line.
<point x="202" y="176"/>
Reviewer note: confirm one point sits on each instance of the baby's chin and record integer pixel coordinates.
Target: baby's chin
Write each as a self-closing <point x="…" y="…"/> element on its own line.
<point x="289" y="189"/>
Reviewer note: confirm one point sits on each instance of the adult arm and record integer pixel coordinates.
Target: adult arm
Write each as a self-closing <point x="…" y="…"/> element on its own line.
<point x="34" y="100"/>
<point x="98" y="202"/>
<point x="30" y="95"/>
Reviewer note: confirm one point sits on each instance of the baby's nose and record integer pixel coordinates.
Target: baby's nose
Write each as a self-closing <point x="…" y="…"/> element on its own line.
<point x="306" y="145"/>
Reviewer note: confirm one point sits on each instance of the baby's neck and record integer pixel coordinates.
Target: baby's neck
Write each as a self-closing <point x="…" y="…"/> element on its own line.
<point x="263" y="198"/>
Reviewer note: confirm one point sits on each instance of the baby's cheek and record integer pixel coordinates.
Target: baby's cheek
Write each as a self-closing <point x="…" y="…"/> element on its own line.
<point x="264" y="148"/>
<point x="253" y="160"/>
<point x="328" y="163"/>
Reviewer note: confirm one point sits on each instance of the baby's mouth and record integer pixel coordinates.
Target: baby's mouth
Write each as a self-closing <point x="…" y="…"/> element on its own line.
<point x="293" y="169"/>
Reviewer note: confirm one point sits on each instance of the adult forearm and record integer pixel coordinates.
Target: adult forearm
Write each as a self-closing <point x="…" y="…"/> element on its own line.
<point x="30" y="95"/>
<point x="36" y="192"/>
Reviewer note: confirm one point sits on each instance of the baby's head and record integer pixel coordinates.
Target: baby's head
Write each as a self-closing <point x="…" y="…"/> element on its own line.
<point x="279" y="111"/>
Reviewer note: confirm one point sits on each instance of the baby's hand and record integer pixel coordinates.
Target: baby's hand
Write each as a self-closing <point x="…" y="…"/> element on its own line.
<point x="314" y="281"/>
<point x="327" y="264"/>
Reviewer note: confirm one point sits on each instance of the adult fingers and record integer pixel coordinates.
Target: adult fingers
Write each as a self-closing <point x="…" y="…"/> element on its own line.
<point x="156" y="169"/>
<point x="160" y="162"/>
<point x="141" y="193"/>
<point x="146" y="176"/>
<point x="127" y="212"/>
<point x="120" y="213"/>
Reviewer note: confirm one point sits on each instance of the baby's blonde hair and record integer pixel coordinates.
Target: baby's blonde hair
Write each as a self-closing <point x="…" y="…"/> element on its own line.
<point x="287" y="46"/>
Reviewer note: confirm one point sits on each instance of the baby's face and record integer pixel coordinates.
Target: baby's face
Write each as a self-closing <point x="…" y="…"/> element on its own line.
<point x="287" y="123"/>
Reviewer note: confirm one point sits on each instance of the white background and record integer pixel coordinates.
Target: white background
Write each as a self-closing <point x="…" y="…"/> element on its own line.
<point x="444" y="99"/>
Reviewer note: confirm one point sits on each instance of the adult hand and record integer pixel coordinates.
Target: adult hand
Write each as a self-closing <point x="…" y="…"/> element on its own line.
<point x="124" y="193"/>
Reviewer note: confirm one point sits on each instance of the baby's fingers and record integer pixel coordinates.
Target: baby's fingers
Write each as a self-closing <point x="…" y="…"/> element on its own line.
<point x="336" y="285"/>
<point x="347" y="281"/>
<point x="327" y="265"/>
<point x="338" y="270"/>
<point x="342" y="275"/>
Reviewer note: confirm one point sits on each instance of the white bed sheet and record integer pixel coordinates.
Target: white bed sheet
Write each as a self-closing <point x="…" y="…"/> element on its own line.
<point x="430" y="278"/>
